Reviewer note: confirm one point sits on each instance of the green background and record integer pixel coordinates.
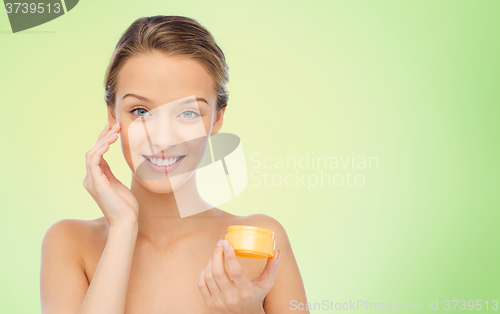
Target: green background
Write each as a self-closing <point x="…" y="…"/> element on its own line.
<point x="412" y="83"/>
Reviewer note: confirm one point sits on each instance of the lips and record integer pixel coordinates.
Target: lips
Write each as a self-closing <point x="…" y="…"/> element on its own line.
<point x="168" y="163"/>
<point x="165" y="160"/>
<point x="164" y="156"/>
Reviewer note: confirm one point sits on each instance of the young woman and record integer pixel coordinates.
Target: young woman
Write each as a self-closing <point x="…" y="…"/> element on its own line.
<point x="141" y="256"/>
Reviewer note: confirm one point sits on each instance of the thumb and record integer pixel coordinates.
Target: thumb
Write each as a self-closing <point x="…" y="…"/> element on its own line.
<point x="266" y="280"/>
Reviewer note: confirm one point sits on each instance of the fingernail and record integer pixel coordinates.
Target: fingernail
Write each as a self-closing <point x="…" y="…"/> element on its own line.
<point x="219" y="243"/>
<point x="116" y="124"/>
<point x="113" y="135"/>
<point x="107" y="124"/>
<point x="279" y="255"/>
<point x="226" y="245"/>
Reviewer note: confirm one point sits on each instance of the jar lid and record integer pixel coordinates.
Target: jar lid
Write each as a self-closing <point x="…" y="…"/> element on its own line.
<point x="249" y="228"/>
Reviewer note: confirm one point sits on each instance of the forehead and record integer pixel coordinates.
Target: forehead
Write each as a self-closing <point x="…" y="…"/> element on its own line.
<point x="163" y="78"/>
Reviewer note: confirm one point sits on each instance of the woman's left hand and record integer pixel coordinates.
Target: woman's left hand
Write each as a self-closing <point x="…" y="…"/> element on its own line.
<point x="239" y="295"/>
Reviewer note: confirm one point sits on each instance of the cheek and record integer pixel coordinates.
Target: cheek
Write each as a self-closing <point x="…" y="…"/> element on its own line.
<point x="125" y="136"/>
<point x="127" y="142"/>
<point x="207" y="123"/>
<point x="196" y="147"/>
<point x="192" y="131"/>
<point x="134" y="136"/>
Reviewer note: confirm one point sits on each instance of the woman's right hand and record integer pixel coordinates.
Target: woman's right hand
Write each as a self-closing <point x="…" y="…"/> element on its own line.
<point x="116" y="201"/>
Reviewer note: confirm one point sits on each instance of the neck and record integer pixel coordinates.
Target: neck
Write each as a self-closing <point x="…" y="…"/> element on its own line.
<point x="164" y="217"/>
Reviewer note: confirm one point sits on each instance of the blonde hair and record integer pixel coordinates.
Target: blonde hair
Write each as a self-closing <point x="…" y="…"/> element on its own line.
<point x="175" y="36"/>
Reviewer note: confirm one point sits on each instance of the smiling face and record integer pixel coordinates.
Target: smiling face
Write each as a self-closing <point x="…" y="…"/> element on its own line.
<point x="167" y="110"/>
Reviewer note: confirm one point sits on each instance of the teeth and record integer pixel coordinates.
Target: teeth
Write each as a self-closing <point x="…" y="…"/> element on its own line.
<point x="162" y="162"/>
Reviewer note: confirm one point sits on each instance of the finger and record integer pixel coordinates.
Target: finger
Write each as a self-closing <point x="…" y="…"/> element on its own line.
<point x="106" y="129"/>
<point x="219" y="271"/>
<point x="88" y="155"/>
<point x="106" y="170"/>
<point x="210" y="280"/>
<point x="234" y="267"/>
<point x="102" y="140"/>
<point x="95" y="170"/>
<point x="95" y="159"/>
<point x="103" y="137"/>
<point x="202" y="285"/>
<point x="266" y="279"/>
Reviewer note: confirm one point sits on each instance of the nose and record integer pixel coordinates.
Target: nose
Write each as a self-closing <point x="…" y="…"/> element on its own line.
<point x="161" y="134"/>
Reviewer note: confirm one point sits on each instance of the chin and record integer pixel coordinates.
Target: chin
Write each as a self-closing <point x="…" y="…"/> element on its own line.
<point x="158" y="187"/>
<point x="166" y="186"/>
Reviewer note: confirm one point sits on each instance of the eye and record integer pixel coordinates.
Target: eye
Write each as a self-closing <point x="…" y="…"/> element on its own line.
<point x="189" y="114"/>
<point x="141" y="111"/>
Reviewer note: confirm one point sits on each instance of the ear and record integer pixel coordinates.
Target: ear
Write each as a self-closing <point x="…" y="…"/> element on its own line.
<point x="218" y="121"/>
<point x="111" y="115"/>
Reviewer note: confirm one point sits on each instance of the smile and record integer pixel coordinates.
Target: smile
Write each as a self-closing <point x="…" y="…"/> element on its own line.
<point x="163" y="162"/>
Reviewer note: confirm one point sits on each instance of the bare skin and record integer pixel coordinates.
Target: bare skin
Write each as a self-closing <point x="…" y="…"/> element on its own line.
<point x="140" y="256"/>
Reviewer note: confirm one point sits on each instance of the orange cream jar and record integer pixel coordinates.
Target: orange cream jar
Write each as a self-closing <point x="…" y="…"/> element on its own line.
<point x="251" y="242"/>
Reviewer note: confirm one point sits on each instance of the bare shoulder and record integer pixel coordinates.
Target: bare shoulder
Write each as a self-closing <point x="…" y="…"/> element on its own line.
<point x="263" y="221"/>
<point x="76" y="227"/>
<point x="64" y="248"/>
<point x="74" y="233"/>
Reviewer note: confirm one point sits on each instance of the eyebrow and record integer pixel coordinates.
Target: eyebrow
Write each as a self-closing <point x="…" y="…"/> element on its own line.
<point x="149" y="101"/>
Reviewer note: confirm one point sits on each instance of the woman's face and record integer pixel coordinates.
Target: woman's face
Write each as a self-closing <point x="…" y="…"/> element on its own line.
<point x="167" y="110"/>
